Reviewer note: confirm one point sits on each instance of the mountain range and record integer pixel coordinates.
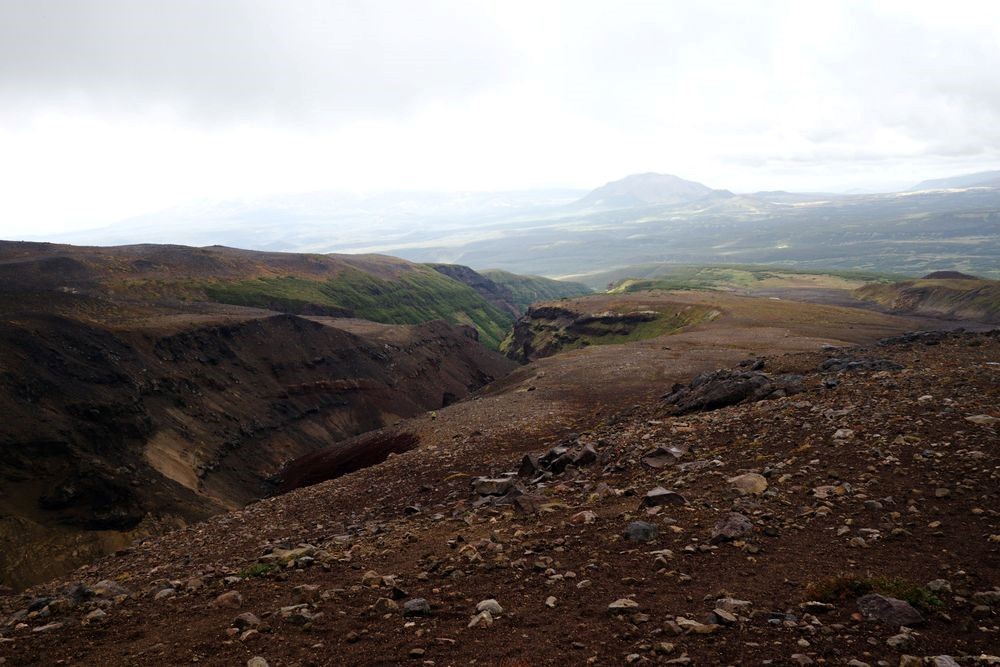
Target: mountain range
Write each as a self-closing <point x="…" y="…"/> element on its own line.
<point x="640" y="219"/>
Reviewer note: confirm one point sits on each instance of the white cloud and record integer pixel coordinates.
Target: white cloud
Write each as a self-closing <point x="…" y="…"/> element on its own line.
<point x="110" y="108"/>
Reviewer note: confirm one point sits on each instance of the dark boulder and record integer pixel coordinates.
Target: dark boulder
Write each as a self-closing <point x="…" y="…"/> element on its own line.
<point x="721" y="388"/>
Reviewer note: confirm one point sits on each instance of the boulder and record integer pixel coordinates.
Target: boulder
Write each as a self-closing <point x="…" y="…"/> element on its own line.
<point x="661" y="496"/>
<point x="416" y="607"/>
<point x="640" y="531"/>
<point x="891" y="611"/>
<point x="718" y="389"/>
<point x="732" y="526"/>
<point x="750" y="483"/>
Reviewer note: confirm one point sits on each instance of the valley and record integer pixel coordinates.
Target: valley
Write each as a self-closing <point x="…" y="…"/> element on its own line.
<point x="222" y="386"/>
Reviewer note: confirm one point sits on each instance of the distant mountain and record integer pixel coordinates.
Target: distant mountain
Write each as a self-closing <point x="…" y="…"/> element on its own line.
<point x="988" y="179"/>
<point x="322" y="221"/>
<point x="644" y="189"/>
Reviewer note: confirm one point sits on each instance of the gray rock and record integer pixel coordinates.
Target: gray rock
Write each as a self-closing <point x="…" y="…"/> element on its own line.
<point x="165" y="593"/>
<point x="661" y="457"/>
<point x="943" y="661"/>
<point x="640" y="531"/>
<point x="416" y="607"/>
<point x="713" y="390"/>
<point x="732" y="526"/>
<point x="491" y="605"/>
<point x="661" y="496"/>
<point x="245" y="621"/>
<point x="939" y="586"/>
<point x="622" y="606"/>
<point x="492" y="486"/>
<point x="990" y="598"/>
<point x="890" y="611"/>
<point x="257" y="661"/>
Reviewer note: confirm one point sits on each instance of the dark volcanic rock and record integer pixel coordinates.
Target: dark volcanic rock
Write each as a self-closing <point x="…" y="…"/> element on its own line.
<point x="660" y="496"/>
<point x="416" y="607"/>
<point x="846" y="364"/>
<point x="640" y="531"/>
<point x="710" y="391"/>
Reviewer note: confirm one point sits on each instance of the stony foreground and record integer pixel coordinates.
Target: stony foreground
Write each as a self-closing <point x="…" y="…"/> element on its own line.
<point x="846" y="512"/>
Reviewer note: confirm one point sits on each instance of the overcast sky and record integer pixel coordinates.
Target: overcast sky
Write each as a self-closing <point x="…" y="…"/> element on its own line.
<point x="112" y="108"/>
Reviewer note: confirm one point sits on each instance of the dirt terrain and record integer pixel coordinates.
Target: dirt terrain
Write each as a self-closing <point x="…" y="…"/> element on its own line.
<point x="123" y="415"/>
<point x="407" y="503"/>
<point x="878" y="476"/>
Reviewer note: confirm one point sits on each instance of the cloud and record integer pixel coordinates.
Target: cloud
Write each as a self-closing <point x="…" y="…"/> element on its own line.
<point x="111" y="108"/>
<point x="238" y="61"/>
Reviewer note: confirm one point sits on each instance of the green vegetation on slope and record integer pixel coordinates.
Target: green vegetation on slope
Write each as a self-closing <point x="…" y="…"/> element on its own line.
<point x="531" y="289"/>
<point x="734" y="277"/>
<point x="410" y="297"/>
<point x="966" y="299"/>
<point x="546" y="331"/>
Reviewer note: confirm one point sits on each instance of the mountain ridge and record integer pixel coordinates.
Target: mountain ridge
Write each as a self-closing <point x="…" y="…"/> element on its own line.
<point x="644" y="189"/>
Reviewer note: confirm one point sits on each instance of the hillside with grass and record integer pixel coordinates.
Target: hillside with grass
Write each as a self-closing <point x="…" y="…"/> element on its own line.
<point x="527" y="290"/>
<point x="963" y="297"/>
<point x="418" y="295"/>
<point x="373" y="287"/>
<point x="746" y="278"/>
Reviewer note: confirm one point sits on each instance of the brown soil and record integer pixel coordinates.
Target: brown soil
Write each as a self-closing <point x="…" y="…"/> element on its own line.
<point x="910" y="438"/>
<point x="111" y="428"/>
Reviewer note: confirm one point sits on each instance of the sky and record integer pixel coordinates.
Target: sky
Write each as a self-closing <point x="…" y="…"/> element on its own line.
<point x="114" y="108"/>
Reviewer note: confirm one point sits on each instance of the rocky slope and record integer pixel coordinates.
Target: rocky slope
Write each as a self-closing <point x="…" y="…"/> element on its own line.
<point x="947" y="294"/>
<point x="373" y="287"/>
<point x="527" y="290"/>
<point x="498" y="295"/>
<point x="126" y="411"/>
<point x="847" y="517"/>
<point x="551" y="327"/>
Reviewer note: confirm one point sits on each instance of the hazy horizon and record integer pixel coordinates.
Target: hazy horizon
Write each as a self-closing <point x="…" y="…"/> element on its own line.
<point x="112" y="109"/>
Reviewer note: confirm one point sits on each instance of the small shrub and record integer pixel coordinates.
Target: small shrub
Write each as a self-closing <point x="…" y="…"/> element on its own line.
<point x="844" y="587"/>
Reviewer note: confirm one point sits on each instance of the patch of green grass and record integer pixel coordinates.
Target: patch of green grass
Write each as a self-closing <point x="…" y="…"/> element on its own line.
<point x="670" y="277"/>
<point x="844" y="587"/>
<point x="258" y="570"/>
<point x="546" y="334"/>
<point x="531" y="289"/>
<point x="410" y="297"/>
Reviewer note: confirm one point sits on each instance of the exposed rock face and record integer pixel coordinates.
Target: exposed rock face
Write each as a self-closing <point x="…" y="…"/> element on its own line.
<point x="145" y="425"/>
<point x="499" y="295"/>
<point x="946" y="294"/>
<point x="711" y="391"/>
<point x="546" y="329"/>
